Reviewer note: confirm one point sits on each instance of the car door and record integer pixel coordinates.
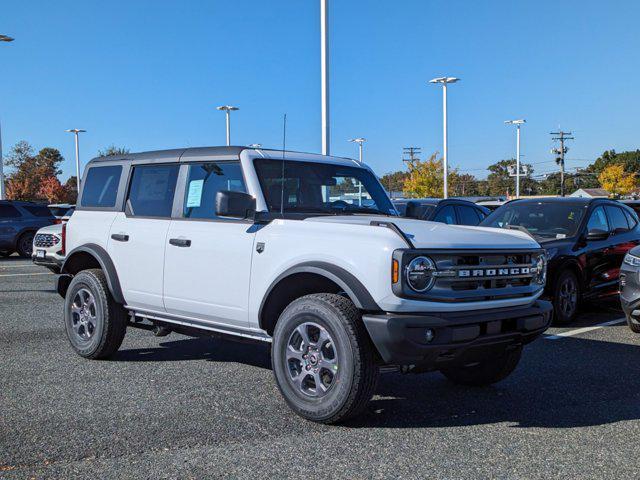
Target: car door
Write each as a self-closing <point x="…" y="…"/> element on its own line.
<point x="208" y="258"/>
<point x="10" y="225"/>
<point x="622" y="239"/>
<point x="138" y="235"/>
<point x="598" y="262"/>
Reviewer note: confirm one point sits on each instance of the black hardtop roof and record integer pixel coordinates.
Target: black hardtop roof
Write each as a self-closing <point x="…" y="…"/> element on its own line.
<point x="568" y="200"/>
<point x="431" y="200"/>
<point x="192" y="154"/>
<point x="22" y="202"/>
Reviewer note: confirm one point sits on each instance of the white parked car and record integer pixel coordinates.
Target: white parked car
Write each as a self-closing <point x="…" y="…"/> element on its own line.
<point x="253" y="244"/>
<point x="47" y="247"/>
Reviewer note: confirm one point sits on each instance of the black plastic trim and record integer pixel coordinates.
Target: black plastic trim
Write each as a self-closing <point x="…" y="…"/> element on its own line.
<point x="106" y="264"/>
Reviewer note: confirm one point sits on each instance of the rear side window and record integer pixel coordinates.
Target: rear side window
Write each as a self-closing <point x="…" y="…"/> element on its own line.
<point x="617" y="219"/>
<point x="204" y="182"/>
<point x="468" y="215"/>
<point x="101" y="186"/>
<point x="9" y="211"/>
<point x="631" y="219"/>
<point x="151" y="191"/>
<point x="446" y="215"/>
<point x="38" y="210"/>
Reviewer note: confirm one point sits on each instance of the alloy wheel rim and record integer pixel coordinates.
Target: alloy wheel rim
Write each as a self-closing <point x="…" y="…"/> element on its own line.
<point x="311" y="360"/>
<point x="568" y="297"/>
<point x="27" y="245"/>
<point x="84" y="319"/>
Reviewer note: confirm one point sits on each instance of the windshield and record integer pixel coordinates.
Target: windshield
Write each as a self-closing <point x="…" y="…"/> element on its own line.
<point x="542" y="219"/>
<point x="321" y="188"/>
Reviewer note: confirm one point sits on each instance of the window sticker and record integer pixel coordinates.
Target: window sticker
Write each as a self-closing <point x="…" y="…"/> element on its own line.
<point x="194" y="194"/>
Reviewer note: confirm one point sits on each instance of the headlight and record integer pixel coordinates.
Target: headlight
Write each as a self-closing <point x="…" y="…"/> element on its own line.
<point x="632" y="260"/>
<point x="540" y="267"/>
<point x="420" y="274"/>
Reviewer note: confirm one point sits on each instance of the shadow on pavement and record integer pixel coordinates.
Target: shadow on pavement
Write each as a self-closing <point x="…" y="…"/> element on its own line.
<point x="201" y="348"/>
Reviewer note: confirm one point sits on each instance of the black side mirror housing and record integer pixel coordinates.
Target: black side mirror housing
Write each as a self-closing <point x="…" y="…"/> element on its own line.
<point x="596" y="234"/>
<point x="235" y="204"/>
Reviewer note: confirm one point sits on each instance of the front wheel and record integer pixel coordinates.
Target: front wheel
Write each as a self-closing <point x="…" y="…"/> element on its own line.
<point x="565" y="298"/>
<point x="94" y="322"/>
<point x="323" y="360"/>
<point x="634" y="325"/>
<point x="487" y="371"/>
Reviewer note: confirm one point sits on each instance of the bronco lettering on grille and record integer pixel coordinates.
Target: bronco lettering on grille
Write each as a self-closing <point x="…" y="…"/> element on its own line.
<point x="494" y="272"/>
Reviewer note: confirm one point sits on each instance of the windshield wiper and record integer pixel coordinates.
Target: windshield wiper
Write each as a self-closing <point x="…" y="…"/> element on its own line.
<point x="373" y="211"/>
<point x="521" y="228"/>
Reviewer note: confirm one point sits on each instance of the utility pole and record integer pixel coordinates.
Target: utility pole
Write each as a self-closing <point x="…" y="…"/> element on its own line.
<point x="413" y="153"/>
<point x="324" y="75"/>
<point x="561" y="137"/>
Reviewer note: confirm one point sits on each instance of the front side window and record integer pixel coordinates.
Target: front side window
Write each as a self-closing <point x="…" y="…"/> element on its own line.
<point x="101" y="186"/>
<point x="468" y="215"/>
<point x="446" y="215"/>
<point x="320" y="188"/>
<point x="598" y="221"/>
<point x="151" y="191"/>
<point x="204" y="182"/>
<point x="544" y="220"/>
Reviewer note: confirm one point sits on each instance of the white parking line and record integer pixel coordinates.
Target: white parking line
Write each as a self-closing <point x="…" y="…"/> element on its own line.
<point x="25" y="274"/>
<point x="578" y="331"/>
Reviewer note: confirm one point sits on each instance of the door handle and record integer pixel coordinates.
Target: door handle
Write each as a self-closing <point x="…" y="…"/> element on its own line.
<point x="120" y="237"/>
<point x="180" y="242"/>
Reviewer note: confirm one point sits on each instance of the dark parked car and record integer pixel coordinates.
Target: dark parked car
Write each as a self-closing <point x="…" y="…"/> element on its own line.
<point x="586" y="241"/>
<point x="19" y="222"/>
<point x="451" y="211"/>
<point x="630" y="288"/>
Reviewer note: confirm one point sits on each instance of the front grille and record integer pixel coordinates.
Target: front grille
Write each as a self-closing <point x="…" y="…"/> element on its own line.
<point x="46" y="240"/>
<point x="472" y="276"/>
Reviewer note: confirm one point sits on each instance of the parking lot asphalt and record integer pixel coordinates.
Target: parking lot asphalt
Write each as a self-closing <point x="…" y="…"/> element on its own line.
<point x="180" y="407"/>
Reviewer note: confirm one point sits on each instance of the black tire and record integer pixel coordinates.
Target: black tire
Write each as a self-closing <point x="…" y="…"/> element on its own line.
<point x="351" y="384"/>
<point x="5" y="253"/>
<point x="487" y="372"/>
<point x="109" y="318"/>
<point x="566" y="298"/>
<point x="24" y="245"/>
<point x="633" y="324"/>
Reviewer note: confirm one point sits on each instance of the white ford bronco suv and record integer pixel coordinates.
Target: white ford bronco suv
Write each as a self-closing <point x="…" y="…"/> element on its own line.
<point x="305" y="252"/>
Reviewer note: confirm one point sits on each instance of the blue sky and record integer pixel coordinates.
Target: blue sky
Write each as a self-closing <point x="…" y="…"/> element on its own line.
<point x="148" y="74"/>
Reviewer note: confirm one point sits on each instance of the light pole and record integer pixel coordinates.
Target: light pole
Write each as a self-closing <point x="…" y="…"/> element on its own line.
<point x="228" y="109"/>
<point x="3" y="38"/>
<point x="517" y="123"/>
<point x="76" y="131"/>
<point x="324" y="74"/>
<point x="360" y="141"/>
<point x="445" y="155"/>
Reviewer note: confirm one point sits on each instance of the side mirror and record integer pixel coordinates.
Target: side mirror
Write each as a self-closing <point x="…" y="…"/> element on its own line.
<point x="235" y="204"/>
<point x="596" y="234"/>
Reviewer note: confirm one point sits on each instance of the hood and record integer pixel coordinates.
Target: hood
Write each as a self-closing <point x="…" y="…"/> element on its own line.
<point x="426" y="234"/>
<point x="52" y="229"/>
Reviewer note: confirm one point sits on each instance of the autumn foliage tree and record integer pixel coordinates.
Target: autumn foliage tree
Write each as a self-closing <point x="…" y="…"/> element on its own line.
<point x="615" y="180"/>
<point x="30" y="171"/>
<point x="53" y="191"/>
<point x="425" y="178"/>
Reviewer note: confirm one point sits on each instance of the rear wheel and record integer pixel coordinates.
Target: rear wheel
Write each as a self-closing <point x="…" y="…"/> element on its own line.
<point x="25" y="245"/>
<point x="565" y="298"/>
<point x="94" y="322"/>
<point x="486" y="372"/>
<point x="323" y="359"/>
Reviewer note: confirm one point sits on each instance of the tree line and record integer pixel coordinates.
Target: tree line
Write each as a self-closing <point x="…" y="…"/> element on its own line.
<point x="34" y="176"/>
<point x="613" y="171"/>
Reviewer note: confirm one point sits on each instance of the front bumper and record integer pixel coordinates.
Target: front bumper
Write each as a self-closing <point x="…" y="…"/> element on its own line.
<point x="630" y="291"/>
<point x="458" y="337"/>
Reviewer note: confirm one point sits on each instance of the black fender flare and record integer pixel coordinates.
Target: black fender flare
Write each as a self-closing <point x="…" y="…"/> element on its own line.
<point x="571" y="263"/>
<point x="106" y="264"/>
<point x="356" y="291"/>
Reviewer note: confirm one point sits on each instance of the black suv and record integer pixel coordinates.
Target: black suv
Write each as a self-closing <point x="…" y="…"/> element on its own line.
<point x="586" y="241"/>
<point x="19" y="222"/>
<point x="451" y="211"/>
